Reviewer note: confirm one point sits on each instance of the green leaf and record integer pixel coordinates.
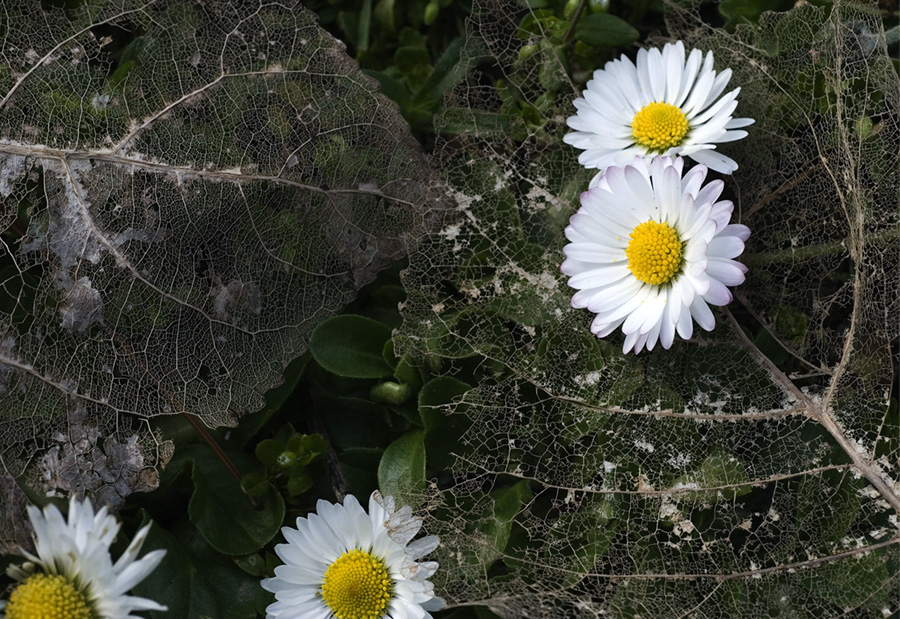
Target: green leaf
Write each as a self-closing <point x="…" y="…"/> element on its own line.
<point x="447" y="73"/>
<point x="748" y="11"/>
<point x="299" y="484"/>
<point x="384" y="15"/>
<point x="252" y="564"/>
<point x="457" y="120"/>
<point x="507" y="504"/>
<point x="402" y="467"/>
<point x="719" y="469"/>
<point x="351" y="346"/>
<point x="442" y="428"/>
<point x="222" y="513"/>
<point x="361" y="423"/>
<point x="193" y="580"/>
<point x="605" y="30"/>
<point x="250" y="425"/>
<point x="392" y="88"/>
<point x="267" y="451"/>
<point x="365" y="19"/>
<point x="827" y="506"/>
<point x="254" y="484"/>
<point x="857" y="581"/>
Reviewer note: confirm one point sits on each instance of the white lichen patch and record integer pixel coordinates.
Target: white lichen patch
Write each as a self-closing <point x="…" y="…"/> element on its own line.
<point x="12" y="167"/>
<point x="645" y="446"/>
<point x="81" y="305"/>
<point x="587" y="380"/>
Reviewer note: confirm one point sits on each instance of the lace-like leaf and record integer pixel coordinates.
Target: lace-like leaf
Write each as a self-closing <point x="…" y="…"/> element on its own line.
<point x="188" y="189"/>
<point x="702" y="480"/>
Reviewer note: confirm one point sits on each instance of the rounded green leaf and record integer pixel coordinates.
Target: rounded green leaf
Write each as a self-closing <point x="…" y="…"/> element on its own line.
<point x="402" y="467"/>
<point x="605" y="30"/>
<point x="254" y="484"/>
<point x="443" y="429"/>
<point x="194" y="580"/>
<point x="268" y="450"/>
<point x="351" y="346"/>
<point x="224" y="515"/>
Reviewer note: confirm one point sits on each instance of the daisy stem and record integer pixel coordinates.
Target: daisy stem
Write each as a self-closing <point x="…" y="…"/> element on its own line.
<point x="807" y="252"/>
<point x="338" y="482"/>
<point x="178" y="405"/>
<point x="575" y="17"/>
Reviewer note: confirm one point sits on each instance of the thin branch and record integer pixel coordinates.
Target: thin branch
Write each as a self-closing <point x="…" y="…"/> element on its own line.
<point x="652" y="491"/>
<point x="575" y="17"/>
<point x="817" y="412"/>
<point x="818" y="371"/>
<point x="339" y="483"/>
<point x="809" y="172"/>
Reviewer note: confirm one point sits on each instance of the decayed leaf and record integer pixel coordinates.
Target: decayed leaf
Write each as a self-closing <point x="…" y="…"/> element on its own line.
<point x="187" y="190"/>
<point x="702" y="481"/>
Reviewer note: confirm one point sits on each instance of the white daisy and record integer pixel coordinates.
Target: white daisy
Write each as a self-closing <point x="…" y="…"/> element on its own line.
<point x="651" y="250"/>
<point x="344" y="563"/>
<point x="662" y="106"/>
<point x="72" y="575"/>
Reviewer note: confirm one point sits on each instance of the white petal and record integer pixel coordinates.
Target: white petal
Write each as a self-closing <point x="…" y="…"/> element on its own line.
<point x="722" y="108"/>
<point x="673" y="57"/>
<point x="685" y="326"/>
<point x="728" y="272"/>
<point x="723" y="246"/>
<point x="710" y="193"/>
<point x="597" y="276"/>
<point x="667" y="325"/>
<point x="715" y="161"/>
<point x="691" y="70"/>
<point x="599" y="253"/>
<point x="737" y="123"/>
<point x="701" y="89"/>
<point x="731" y="136"/>
<point x="718" y="87"/>
<point x="702" y="314"/>
<point x="615" y="295"/>
<point x="602" y="328"/>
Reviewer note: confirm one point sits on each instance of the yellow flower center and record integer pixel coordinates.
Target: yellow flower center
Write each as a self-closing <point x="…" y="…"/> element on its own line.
<point x="47" y="596"/>
<point x="654" y="252"/>
<point x="659" y="126"/>
<point x="357" y="586"/>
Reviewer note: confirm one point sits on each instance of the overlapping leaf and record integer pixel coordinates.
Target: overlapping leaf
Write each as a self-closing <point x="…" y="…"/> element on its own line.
<point x="187" y="190"/>
<point x="703" y="481"/>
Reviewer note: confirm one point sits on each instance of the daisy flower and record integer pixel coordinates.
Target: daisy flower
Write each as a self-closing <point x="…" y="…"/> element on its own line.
<point x="663" y="106"/>
<point x="346" y="564"/>
<point x="651" y="250"/>
<point x="72" y="575"/>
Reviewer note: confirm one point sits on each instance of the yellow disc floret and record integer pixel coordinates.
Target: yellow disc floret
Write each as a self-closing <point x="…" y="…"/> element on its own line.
<point x="659" y="126"/>
<point x="357" y="586"/>
<point x="654" y="252"/>
<point x="47" y="596"/>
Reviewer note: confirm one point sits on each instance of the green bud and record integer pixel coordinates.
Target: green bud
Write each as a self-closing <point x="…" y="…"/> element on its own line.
<point x="431" y="12"/>
<point x="390" y="393"/>
<point x="569" y="9"/>
<point x="598" y="6"/>
<point x="527" y="51"/>
<point x="864" y="127"/>
<point x="286" y="459"/>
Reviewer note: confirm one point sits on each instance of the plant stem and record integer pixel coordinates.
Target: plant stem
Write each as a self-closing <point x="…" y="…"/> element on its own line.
<point x="575" y="17"/>
<point x="807" y="252"/>
<point x="192" y="419"/>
